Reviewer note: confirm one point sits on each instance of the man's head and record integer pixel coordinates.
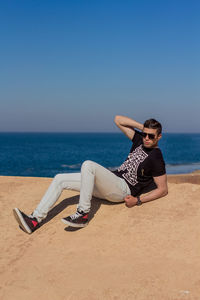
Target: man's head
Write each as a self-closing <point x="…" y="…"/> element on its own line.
<point x="151" y="133"/>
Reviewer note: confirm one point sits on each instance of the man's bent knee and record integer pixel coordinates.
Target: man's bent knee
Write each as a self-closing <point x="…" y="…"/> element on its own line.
<point x="58" y="178"/>
<point x="87" y="164"/>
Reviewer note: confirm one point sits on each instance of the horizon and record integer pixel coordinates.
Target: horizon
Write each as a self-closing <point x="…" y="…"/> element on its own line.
<point x="91" y="132"/>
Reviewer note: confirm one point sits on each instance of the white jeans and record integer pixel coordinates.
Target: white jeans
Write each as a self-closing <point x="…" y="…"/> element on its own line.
<point x="94" y="180"/>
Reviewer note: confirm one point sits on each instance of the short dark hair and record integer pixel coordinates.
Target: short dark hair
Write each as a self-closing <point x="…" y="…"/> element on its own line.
<point x="153" y="124"/>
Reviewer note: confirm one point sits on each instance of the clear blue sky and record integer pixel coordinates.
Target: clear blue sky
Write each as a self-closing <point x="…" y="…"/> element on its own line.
<point x="73" y="65"/>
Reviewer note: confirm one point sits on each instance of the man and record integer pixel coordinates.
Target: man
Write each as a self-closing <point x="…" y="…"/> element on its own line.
<point x="143" y="172"/>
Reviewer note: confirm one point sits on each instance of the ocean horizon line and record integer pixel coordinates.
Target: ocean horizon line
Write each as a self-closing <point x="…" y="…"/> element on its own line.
<point x="48" y="153"/>
<point x="87" y="132"/>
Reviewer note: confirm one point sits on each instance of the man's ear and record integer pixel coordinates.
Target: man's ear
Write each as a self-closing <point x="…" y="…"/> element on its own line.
<point x="159" y="136"/>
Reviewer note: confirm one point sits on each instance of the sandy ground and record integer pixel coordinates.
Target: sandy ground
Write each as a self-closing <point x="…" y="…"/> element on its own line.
<point x="146" y="252"/>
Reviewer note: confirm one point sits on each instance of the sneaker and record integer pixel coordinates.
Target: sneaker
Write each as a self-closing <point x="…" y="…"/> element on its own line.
<point x="79" y="219"/>
<point x="27" y="223"/>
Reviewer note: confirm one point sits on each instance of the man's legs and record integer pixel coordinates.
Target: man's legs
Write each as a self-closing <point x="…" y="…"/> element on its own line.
<point x="70" y="181"/>
<point x="60" y="182"/>
<point x="100" y="182"/>
<point x="93" y="180"/>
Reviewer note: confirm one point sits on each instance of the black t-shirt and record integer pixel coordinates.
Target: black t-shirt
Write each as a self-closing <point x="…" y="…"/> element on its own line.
<point x="141" y="165"/>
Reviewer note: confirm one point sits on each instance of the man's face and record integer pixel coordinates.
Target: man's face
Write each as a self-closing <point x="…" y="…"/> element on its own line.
<point x="150" y="137"/>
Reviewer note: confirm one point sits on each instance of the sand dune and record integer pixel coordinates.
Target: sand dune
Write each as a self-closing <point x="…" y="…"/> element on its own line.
<point x="146" y="252"/>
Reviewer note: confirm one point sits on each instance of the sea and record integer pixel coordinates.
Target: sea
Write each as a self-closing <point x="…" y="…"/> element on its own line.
<point x="47" y="154"/>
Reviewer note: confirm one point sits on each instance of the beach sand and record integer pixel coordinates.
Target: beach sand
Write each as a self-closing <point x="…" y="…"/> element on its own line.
<point x="146" y="252"/>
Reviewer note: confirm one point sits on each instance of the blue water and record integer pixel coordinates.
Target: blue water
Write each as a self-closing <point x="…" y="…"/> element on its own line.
<point x="46" y="154"/>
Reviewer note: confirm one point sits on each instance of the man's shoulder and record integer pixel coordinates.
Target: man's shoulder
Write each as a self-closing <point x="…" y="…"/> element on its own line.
<point x="136" y="140"/>
<point x="137" y="135"/>
<point x="156" y="154"/>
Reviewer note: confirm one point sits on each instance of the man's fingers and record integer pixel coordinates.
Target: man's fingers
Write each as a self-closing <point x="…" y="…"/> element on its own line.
<point x="127" y="197"/>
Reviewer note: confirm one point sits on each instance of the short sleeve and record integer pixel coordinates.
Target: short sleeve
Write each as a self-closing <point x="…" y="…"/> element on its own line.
<point x="136" y="140"/>
<point x="158" y="164"/>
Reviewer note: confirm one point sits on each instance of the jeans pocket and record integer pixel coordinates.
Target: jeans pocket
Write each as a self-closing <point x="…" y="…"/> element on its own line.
<point x="125" y="188"/>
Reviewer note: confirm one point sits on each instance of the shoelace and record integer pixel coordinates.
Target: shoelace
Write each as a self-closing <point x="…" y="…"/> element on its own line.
<point x="75" y="216"/>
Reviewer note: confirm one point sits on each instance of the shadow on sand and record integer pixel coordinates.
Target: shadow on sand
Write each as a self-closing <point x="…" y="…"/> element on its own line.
<point x="95" y="205"/>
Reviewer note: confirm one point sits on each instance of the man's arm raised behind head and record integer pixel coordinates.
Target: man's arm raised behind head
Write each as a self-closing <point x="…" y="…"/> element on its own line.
<point x="128" y="125"/>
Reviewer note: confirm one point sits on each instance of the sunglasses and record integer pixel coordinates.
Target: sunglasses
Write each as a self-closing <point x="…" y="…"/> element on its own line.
<point x="150" y="135"/>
